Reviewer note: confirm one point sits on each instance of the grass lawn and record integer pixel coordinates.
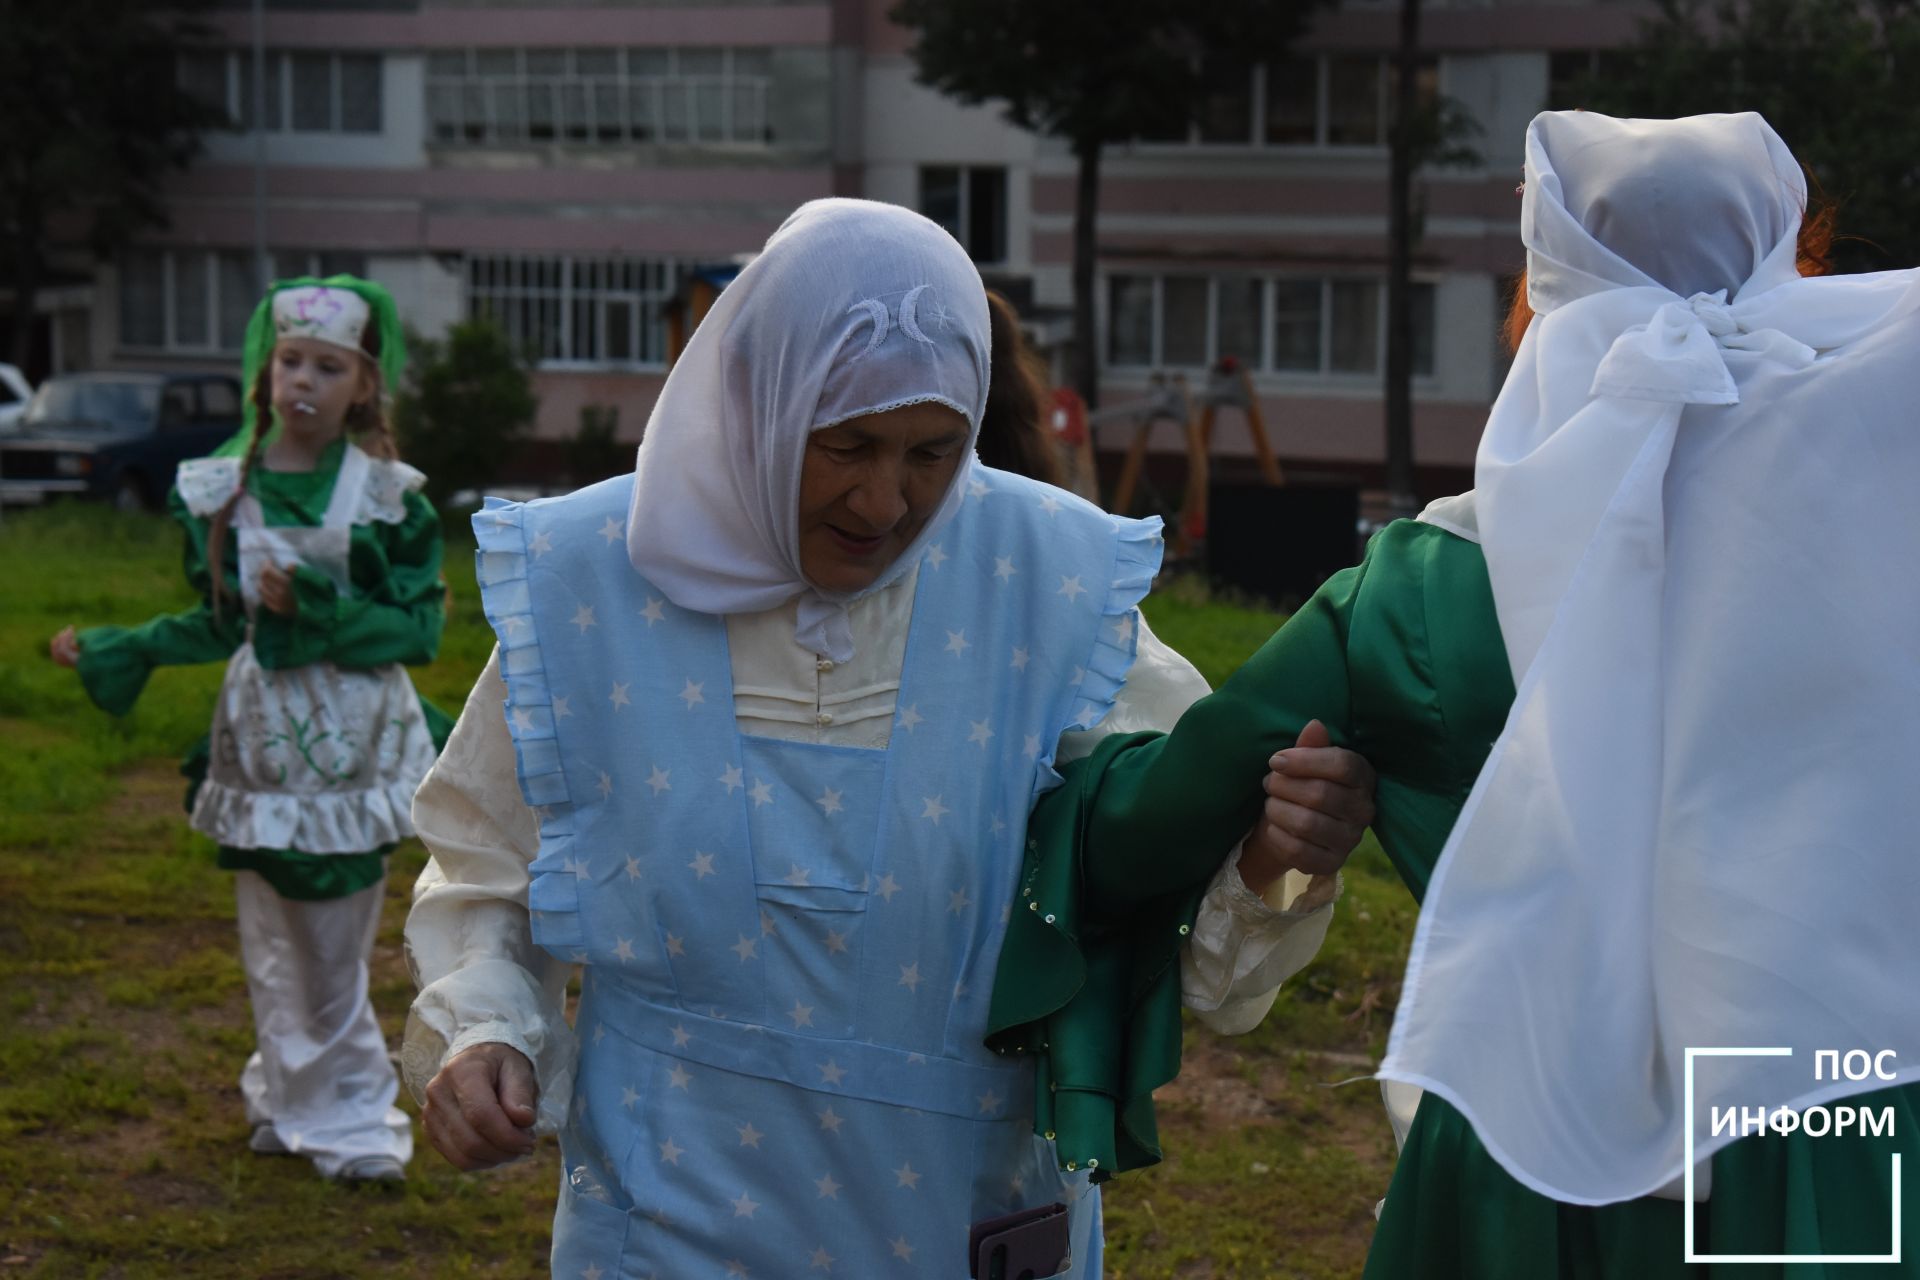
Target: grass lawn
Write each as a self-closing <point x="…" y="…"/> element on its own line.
<point x="124" y="1021"/>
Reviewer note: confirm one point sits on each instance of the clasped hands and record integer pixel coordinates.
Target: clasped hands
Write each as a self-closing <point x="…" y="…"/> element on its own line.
<point x="1319" y="803"/>
<point x="480" y="1106"/>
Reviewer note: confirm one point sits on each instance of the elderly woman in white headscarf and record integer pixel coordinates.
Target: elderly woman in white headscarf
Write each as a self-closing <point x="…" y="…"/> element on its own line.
<point x="757" y="746"/>
<point x="1644" y="708"/>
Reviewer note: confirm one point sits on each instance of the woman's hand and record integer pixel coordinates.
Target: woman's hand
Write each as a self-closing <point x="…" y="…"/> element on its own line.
<point x="479" y="1110"/>
<point x="276" y="590"/>
<point x="1319" y="804"/>
<point x="65" y="648"/>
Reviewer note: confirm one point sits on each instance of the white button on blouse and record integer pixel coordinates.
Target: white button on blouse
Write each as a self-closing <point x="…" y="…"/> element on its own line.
<point x="783" y="691"/>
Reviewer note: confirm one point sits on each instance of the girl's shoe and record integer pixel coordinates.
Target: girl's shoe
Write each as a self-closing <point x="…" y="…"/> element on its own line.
<point x="373" y="1169"/>
<point x="265" y="1142"/>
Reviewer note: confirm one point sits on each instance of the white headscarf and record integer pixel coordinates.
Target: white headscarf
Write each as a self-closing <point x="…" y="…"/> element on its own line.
<point x="1698" y="827"/>
<point x="854" y="307"/>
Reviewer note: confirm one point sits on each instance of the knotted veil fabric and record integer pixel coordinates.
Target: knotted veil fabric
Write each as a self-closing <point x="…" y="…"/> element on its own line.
<point x="1697" y="829"/>
<point x="853" y="307"/>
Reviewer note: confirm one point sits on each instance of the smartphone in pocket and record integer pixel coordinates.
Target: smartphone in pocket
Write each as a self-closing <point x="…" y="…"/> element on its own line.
<point x="1028" y="1245"/>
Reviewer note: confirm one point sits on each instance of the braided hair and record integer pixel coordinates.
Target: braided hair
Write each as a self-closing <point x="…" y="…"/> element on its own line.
<point x="366" y="425"/>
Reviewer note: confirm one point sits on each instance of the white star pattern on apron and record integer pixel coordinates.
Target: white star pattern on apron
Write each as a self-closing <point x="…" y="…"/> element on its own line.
<point x="790" y="947"/>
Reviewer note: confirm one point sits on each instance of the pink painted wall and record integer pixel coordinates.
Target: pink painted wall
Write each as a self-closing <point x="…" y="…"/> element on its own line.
<point x="1277" y="196"/>
<point x="450" y="28"/>
<point x="1197" y="250"/>
<point x="562" y="395"/>
<point x="1318" y="429"/>
<point x="768" y="184"/>
<point x="881" y="37"/>
<point x="201" y="224"/>
<point x="534" y="233"/>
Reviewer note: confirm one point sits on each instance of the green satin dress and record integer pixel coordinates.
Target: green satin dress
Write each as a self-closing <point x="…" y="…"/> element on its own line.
<point x="396" y="617"/>
<point x="1401" y="658"/>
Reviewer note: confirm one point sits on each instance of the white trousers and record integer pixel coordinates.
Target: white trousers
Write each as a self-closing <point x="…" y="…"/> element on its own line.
<point x="320" y="1074"/>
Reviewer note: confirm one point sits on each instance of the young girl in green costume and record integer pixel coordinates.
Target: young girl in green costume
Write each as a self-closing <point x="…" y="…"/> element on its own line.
<point x="319" y="564"/>
<point x="1643" y="714"/>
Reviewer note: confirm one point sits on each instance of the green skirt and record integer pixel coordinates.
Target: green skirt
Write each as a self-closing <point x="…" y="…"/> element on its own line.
<point x="1453" y="1211"/>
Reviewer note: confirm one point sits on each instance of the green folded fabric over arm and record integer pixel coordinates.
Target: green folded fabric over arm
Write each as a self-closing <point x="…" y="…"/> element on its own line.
<point x="1167" y="809"/>
<point x="1118" y="859"/>
<point x="1095" y="999"/>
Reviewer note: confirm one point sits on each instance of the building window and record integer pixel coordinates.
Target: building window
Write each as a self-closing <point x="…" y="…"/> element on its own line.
<point x="1226" y="112"/>
<point x="1132" y="316"/>
<point x="589" y="312"/>
<point x="199" y="300"/>
<point x="1332" y="326"/>
<point x="680" y="97"/>
<point x="1355" y="97"/>
<point x="1184" y="336"/>
<point x="305" y="92"/>
<point x="1333" y="100"/>
<point x="971" y="203"/>
<point x="289" y="264"/>
<point x="1292" y="90"/>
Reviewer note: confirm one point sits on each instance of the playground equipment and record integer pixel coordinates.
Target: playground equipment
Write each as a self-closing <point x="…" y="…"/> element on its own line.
<point x="1165" y="401"/>
<point x="1228" y="385"/>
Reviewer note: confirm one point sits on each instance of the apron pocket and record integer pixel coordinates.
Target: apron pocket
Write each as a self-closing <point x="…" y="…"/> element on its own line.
<point x="812" y="815"/>
<point x="590" y="1236"/>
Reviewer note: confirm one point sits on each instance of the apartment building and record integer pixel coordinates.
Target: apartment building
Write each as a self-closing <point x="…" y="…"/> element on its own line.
<point x="563" y="167"/>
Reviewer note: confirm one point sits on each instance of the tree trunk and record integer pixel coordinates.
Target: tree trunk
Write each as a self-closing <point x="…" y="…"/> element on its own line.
<point x="1399" y="373"/>
<point x="26" y="287"/>
<point x="1086" y="342"/>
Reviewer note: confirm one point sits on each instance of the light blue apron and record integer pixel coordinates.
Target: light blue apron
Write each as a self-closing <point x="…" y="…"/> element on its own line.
<point x="790" y="947"/>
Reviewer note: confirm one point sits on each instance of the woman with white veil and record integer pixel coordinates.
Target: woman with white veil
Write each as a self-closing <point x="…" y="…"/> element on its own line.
<point x="1644" y="708"/>
<point x="757" y="748"/>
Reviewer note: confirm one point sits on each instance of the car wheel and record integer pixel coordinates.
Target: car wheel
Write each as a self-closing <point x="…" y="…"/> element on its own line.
<point x="129" y="494"/>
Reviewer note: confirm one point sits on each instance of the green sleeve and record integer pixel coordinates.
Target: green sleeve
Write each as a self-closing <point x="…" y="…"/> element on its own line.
<point x="1118" y="859"/>
<point x="398" y="619"/>
<point x="116" y="661"/>
<point x="1198" y="790"/>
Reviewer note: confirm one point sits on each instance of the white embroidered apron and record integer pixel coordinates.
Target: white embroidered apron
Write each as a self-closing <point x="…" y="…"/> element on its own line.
<point x="317" y="758"/>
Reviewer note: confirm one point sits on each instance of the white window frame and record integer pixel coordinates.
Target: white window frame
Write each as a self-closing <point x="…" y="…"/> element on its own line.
<point x="1264" y="366"/>
<point x="964" y="233"/>
<point x="171" y="267"/>
<point x="1256" y="140"/>
<point x="239" y="103"/>
<point x="172" y="262"/>
<point x="730" y="82"/>
<point x="647" y="303"/>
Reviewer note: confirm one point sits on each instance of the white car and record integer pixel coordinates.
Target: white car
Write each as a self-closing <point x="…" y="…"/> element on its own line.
<point x="15" y="391"/>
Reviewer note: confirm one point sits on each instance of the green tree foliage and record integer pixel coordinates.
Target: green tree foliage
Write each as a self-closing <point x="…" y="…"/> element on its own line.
<point x="468" y="401"/>
<point x="1094" y="72"/>
<point x="91" y="120"/>
<point x="1839" y="80"/>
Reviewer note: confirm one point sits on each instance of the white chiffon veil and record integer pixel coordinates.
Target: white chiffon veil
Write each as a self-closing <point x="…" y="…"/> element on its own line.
<point x="1697" y="830"/>
<point x="853" y="307"/>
